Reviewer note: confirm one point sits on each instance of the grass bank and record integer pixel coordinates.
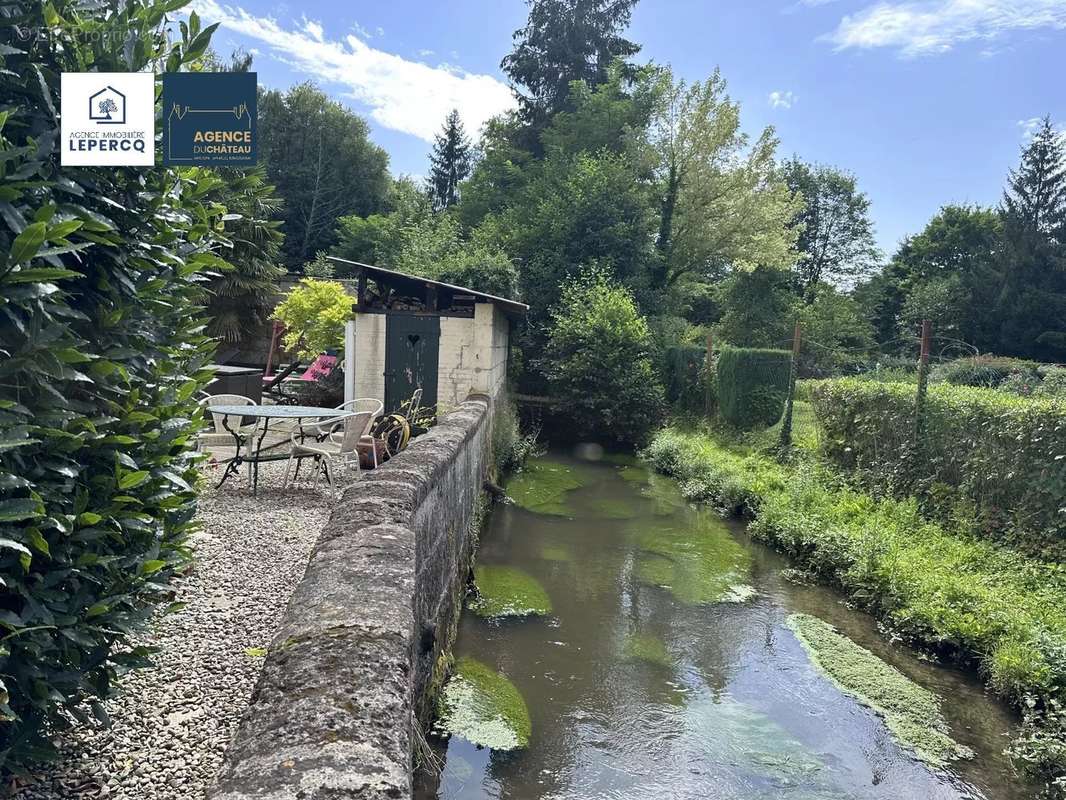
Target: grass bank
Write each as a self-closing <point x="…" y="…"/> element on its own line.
<point x="965" y="598"/>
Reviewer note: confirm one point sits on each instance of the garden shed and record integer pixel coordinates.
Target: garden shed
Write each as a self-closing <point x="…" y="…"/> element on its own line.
<point x="409" y="332"/>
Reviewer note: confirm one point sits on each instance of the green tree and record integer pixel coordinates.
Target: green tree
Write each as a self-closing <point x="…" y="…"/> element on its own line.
<point x="101" y="356"/>
<point x="578" y="211"/>
<point x="1032" y="301"/>
<point x="835" y="233"/>
<point x="597" y="362"/>
<point x="450" y="163"/>
<point x="318" y="155"/>
<point x="377" y="239"/>
<point x="314" y="313"/>
<point x="837" y="337"/>
<point x="721" y="202"/>
<point x="758" y="308"/>
<point x="501" y="172"/>
<point x="946" y="273"/>
<point x="565" y="41"/>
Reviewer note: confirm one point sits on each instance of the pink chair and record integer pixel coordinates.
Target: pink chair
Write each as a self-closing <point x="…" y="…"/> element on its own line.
<point x="320" y="368"/>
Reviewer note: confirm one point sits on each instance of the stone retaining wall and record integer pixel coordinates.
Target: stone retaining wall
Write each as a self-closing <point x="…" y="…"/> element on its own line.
<point x="351" y="671"/>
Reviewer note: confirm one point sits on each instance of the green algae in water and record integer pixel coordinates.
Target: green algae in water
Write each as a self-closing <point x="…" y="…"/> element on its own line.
<point x="508" y="592"/>
<point x="911" y="713"/>
<point x="697" y="564"/>
<point x="634" y="473"/>
<point x="482" y="706"/>
<point x="615" y="507"/>
<point x="542" y="486"/>
<point x="664" y="494"/>
<point x="554" y="552"/>
<point x="648" y="649"/>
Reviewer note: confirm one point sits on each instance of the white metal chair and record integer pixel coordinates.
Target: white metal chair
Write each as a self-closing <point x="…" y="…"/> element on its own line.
<point x="220" y="437"/>
<point x="340" y="447"/>
<point x="359" y="405"/>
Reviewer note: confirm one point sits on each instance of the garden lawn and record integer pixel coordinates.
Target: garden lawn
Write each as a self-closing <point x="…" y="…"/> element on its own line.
<point x="967" y="598"/>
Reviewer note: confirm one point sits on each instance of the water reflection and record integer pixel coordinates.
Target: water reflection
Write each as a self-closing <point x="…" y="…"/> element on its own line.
<point x="643" y="684"/>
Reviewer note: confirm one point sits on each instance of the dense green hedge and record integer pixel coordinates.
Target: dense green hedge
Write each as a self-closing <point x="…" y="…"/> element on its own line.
<point x="101" y="355"/>
<point x="965" y="598"/>
<point x="991" y="461"/>
<point x="752" y="386"/>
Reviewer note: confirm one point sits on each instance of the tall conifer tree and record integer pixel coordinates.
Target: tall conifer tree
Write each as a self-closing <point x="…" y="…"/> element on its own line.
<point x="1032" y="300"/>
<point x="450" y="163"/>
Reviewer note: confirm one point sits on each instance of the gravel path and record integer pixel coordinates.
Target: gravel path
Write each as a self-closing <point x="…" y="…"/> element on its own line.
<point x="172" y="722"/>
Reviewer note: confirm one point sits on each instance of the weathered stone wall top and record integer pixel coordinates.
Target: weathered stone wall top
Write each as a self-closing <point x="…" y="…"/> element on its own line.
<point x="333" y="715"/>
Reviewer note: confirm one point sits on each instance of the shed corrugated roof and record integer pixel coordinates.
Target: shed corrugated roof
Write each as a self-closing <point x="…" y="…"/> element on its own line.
<point x="512" y="306"/>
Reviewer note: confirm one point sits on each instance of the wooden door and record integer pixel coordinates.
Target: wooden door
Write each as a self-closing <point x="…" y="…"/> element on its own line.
<point x="411" y="354"/>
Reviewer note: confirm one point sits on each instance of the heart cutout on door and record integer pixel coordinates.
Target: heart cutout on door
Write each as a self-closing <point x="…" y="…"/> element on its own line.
<point x="413" y="339"/>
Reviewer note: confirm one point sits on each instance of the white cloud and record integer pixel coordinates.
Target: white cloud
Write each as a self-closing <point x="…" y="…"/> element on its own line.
<point x="402" y="95"/>
<point x="313" y="29"/>
<point x="426" y="53"/>
<point x="936" y="26"/>
<point x="1030" y="126"/>
<point x="782" y="99"/>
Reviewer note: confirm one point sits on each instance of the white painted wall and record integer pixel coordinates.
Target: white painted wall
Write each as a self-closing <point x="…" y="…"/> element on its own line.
<point x="370" y="356"/>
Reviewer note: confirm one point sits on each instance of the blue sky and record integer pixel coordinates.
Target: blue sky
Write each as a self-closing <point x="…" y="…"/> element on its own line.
<point x="926" y="101"/>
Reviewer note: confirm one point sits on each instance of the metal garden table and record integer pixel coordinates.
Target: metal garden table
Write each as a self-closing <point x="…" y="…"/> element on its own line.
<point x="265" y="413"/>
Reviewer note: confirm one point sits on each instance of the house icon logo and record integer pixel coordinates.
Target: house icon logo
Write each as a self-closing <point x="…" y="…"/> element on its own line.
<point x="108" y="107"/>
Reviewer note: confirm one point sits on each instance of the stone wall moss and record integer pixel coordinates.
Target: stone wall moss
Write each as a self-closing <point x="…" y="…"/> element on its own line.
<point x="484" y="707"/>
<point x="508" y="592"/>
<point x="911" y="713"/>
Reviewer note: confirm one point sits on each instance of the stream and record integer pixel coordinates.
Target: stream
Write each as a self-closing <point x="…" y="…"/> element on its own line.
<point x="682" y="659"/>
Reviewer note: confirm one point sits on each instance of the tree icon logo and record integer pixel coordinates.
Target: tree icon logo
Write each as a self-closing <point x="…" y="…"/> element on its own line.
<point x="108" y="107"/>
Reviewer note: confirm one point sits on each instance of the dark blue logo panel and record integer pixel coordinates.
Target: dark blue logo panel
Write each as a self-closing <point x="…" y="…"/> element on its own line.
<point x="209" y="118"/>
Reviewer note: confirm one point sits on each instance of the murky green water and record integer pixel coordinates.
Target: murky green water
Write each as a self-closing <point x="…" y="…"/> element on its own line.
<point x="666" y="667"/>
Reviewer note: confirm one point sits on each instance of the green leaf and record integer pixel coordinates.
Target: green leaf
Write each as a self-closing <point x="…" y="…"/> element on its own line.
<point x="152" y="567"/>
<point x="131" y="479"/>
<point x="40" y="544"/>
<point x="11" y="544"/>
<point x="27" y="243"/>
<point x="41" y="275"/>
<point x="19" y="509"/>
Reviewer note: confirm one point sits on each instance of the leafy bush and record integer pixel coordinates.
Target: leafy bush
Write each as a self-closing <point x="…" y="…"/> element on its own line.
<point x="101" y="355"/>
<point x="963" y="597"/>
<point x="511" y="446"/>
<point x="752" y="386"/>
<point x="989" y="459"/>
<point x="685" y="373"/>
<point x="982" y="371"/>
<point x="1052" y="383"/>
<point x="314" y="314"/>
<point x="597" y="362"/>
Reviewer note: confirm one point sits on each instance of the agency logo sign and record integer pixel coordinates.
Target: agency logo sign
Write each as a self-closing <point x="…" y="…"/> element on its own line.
<point x="209" y="118"/>
<point x="108" y="119"/>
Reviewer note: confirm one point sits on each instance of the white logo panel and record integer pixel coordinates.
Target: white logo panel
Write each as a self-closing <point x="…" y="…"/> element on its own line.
<point x="108" y="119"/>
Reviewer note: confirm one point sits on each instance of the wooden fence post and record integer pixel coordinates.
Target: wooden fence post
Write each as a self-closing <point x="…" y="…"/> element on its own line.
<point x="923" y="386"/>
<point x="708" y="377"/>
<point x="786" y="424"/>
